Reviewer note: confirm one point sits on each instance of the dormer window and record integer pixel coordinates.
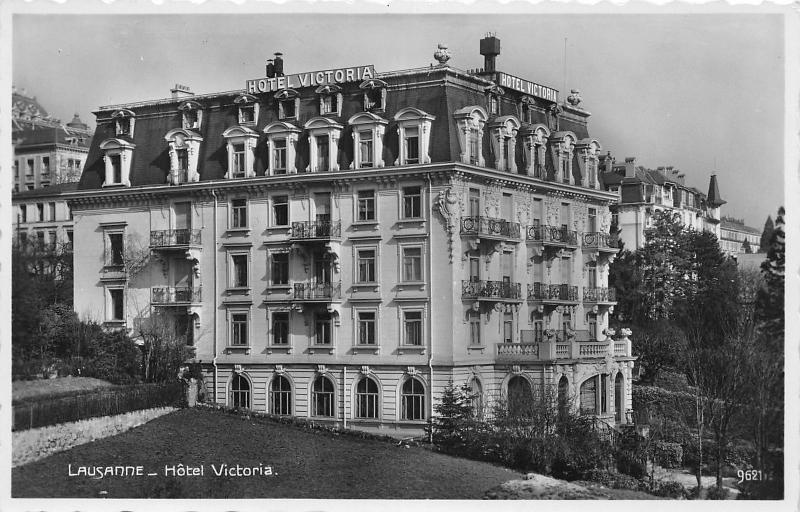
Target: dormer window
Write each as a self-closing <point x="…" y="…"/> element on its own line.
<point x="527" y="111"/>
<point x="288" y="104"/>
<point x="504" y="142"/>
<point x="247" y="105"/>
<point x="323" y="138"/>
<point x="368" y="131"/>
<point x="184" y="147"/>
<point x="330" y="99"/>
<point x="124" y="121"/>
<point x="281" y="147"/>
<point x="374" y="95"/>
<point x="535" y="138"/>
<point x="493" y="95"/>
<point x="562" y="145"/>
<point x="588" y="162"/>
<point x="241" y="143"/>
<point x="191" y="115"/>
<point x="470" y="122"/>
<point x="414" y="129"/>
<point x="118" y="154"/>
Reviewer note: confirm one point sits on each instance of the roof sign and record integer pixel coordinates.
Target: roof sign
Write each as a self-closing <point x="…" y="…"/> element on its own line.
<point x="310" y="79"/>
<point x="533" y="89"/>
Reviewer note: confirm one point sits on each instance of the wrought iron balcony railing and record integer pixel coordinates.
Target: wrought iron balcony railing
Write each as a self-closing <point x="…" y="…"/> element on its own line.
<point x="174" y="237"/>
<point x="175" y="295"/>
<point x="490" y="290"/>
<point x="546" y="292"/>
<point x="317" y="229"/>
<point x="317" y="291"/>
<point x="600" y="240"/>
<point x="599" y="295"/>
<point x="488" y="226"/>
<point x="552" y="235"/>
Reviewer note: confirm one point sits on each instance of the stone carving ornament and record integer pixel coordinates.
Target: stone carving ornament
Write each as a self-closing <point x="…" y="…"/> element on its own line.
<point x="448" y="205"/>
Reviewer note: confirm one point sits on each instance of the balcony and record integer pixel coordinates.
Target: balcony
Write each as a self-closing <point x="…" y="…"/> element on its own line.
<point x="490" y="228"/>
<point x="553" y="236"/>
<point x="600" y="295"/>
<point x="175" y="238"/>
<point x="317" y="292"/>
<point x="491" y="291"/>
<point x="553" y="293"/>
<point x="318" y="230"/>
<point x="559" y="346"/>
<point x="601" y="241"/>
<point x="175" y="295"/>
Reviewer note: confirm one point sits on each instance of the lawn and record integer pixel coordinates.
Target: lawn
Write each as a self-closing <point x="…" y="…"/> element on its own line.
<point x="306" y="464"/>
<point x="26" y="389"/>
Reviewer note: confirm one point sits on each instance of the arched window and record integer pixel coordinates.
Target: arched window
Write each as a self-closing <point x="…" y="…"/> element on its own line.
<point x="367" y="398"/>
<point x="322" y="397"/>
<point x="476" y="390"/>
<point x="413" y="400"/>
<point x="280" y="396"/>
<point x="563" y="395"/>
<point x="520" y="396"/>
<point x="589" y="396"/>
<point x="240" y="392"/>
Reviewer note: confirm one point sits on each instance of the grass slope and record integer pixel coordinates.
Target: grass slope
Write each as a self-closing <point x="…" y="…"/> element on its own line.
<point x="27" y="389"/>
<point x="308" y="464"/>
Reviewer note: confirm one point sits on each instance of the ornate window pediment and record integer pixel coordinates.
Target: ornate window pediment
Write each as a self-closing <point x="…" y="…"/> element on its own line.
<point x="282" y="145"/>
<point x="504" y="131"/>
<point x="118" y="154"/>
<point x="493" y="95"/>
<point x="588" y="162"/>
<point x="374" y="94"/>
<point x="527" y="107"/>
<point x="184" y="148"/>
<point x="288" y="102"/>
<point x="124" y="121"/>
<point x="323" y="138"/>
<point x="535" y="138"/>
<point x="241" y="142"/>
<point x="330" y="99"/>
<point x="248" y="109"/>
<point x="191" y="114"/>
<point x="368" y="131"/>
<point x="414" y="130"/>
<point x="471" y="121"/>
<point x="562" y="145"/>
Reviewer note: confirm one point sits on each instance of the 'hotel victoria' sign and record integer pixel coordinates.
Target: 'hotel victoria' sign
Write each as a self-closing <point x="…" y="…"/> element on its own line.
<point x="311" y="78"/>
<point x="540" y="91"/>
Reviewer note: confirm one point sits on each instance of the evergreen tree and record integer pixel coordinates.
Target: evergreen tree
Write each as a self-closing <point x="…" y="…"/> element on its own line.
<point x="766" y="235"/>
<point x="455" y="416"/>
<point x="770" y="299"/>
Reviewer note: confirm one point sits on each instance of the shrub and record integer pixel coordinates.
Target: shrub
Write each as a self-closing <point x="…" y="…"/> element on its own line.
<point x="668" y="455"/>
<point x="631" y="463"/>
<point x="715" y="493"/>
<point x="669" y="489"/>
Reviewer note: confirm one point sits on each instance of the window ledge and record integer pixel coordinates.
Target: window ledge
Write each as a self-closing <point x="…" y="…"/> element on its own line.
<point x="238" y="231"/>
<point x="279" y="287"/>
<point x="313" y="348"/>
<point x="416" y="285"/>
<point x="375" y="287"/>
<point x="238" y="348"/>
<point x="275" y="229"/>
<point x="245" y="290"/>
<point x="365" y="224"/>
<point x="412" y="348"/>
<point x="476" y="348"/>
<point x="279" y="348"/>
<point x="366" y="349"/>
<point x="414" y="220"/>
<point x="114" y="324"/>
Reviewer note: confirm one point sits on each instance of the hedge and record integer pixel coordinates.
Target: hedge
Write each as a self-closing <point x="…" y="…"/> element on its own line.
<point x="43" y="411"/>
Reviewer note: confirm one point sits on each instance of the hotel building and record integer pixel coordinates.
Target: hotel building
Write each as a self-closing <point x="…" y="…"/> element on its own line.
<point x="340" y="244"/>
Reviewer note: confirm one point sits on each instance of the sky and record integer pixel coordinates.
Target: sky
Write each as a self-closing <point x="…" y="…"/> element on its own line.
<point x="701" y="92"/>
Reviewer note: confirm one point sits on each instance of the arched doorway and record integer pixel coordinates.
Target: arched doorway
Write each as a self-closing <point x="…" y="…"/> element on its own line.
<point x="619" y="398"/>
<point x="240" y="391"/>
<point x="519" y="396"/>
<point x="588" y="396"/>
<point x="563" y="395"/>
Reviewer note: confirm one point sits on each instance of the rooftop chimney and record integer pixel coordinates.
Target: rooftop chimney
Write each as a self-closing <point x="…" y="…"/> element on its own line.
<point x="278" y="64"/>
<point x="490" y="49"/>
<point x="630" y="167"/>
<point x="181" y="91"/>
<point x="270" y="69"/>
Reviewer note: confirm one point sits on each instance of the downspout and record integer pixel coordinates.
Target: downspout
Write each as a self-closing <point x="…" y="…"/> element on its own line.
<point x="430" y="305"/>
<point x="214" y="309"/>
<point x="344" y="396"/>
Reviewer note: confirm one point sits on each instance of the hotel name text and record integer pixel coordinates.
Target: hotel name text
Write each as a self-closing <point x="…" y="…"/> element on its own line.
<point x="533" y="89"/>
<point x="310" y="79"/>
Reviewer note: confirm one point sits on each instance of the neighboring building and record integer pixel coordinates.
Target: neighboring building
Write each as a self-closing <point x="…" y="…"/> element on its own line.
<point x="642" y="192"/>
<point x="340" y="244"/>
<point x="733" y="234"/>
<point x="42" y="215"/>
